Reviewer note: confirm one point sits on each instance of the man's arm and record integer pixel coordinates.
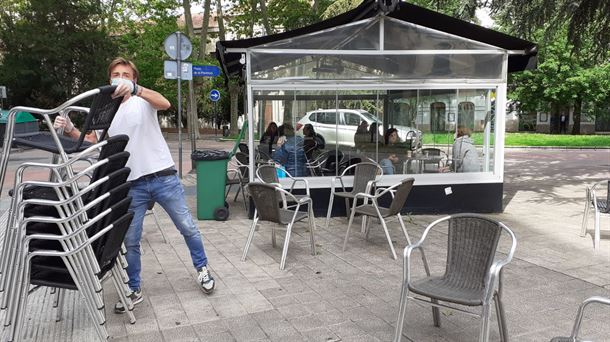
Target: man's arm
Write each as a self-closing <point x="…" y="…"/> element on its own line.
<point x="158" y="101"/>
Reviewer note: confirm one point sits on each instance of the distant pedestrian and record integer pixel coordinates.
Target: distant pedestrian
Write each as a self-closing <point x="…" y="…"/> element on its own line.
<point x="563" y="123"/>
<point x="240" y="122"/>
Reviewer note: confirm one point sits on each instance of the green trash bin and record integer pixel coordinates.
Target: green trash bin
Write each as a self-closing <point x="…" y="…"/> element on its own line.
<point x="211" y="182"/>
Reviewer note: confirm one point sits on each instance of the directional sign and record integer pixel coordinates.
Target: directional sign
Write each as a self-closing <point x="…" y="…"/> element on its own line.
<point x="214" y="95"/>
<point x="206" y="71"/>
<point x="171" y="46"/>
<point x="170" y="70"/>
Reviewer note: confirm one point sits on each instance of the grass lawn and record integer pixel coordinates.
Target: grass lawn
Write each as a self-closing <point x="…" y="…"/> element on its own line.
<point x="518" y="139"/>
<point x="530" y="139"/>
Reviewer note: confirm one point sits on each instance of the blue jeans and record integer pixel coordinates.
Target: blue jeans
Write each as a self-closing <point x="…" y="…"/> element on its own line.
<point x="169" y="193"/>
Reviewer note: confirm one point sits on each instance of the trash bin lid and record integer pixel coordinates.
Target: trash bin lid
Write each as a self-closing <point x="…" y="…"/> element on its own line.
<point x="19" y="118"/>
<point x="209" y="155"/>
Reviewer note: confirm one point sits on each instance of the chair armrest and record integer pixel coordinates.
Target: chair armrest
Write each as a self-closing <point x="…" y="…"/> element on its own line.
<point x="296" y="180"/>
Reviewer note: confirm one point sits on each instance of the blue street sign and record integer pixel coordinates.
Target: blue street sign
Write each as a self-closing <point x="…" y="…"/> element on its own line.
<point x="206" y="70"/>
<point x="214" y="95"/>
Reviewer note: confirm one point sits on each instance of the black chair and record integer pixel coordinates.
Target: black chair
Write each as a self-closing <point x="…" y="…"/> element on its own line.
<point x="99" y="117"/>
<point x="240" y="177"/>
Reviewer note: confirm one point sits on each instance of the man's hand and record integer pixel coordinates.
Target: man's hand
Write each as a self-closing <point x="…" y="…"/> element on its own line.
<point x="65" y="123"/>
<point x="124" y="87"/>
<point x="393" y="158"/>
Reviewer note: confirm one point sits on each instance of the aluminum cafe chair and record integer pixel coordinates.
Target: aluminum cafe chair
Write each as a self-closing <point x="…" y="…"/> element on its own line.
<point x="574" y="336"/>
<point x="472" y="276"/>
<point x="25" y="206"/>
<point x="371" y="208"/>
<point x="268" y="173"/>
<point x="364" y="176"/>
<point x="115" y="145"/>
<point x="99" y="117"/>
<point x="67" y="203"/>
<point x="267" y="209"/>
<point x="598" y="201"/>
<point x="84" y="265"/>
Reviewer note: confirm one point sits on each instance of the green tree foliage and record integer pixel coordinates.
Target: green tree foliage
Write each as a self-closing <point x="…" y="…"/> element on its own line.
<point x="52" y="50"/>
<point x="586" y="21"/>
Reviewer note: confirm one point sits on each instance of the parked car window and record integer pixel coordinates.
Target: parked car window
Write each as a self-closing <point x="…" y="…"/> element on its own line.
<point x="352" y="119"/>
<point x="327" y="118"/>
<point x="313" y="117"/>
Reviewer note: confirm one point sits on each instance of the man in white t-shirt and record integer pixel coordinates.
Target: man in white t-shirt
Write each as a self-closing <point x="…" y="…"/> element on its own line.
<point x="153" y="174"/>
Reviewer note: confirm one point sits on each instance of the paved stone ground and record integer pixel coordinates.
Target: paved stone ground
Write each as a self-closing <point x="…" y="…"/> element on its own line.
<point x="352" y="295"/>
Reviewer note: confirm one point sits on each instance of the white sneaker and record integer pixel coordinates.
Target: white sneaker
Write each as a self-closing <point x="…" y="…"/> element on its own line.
<point x="206" y="280"/>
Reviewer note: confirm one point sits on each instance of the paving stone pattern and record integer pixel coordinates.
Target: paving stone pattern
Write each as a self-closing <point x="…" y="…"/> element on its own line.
<point x="353" y="295"/>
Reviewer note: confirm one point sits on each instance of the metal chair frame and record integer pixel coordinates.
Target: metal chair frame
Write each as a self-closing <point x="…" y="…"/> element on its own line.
<point x="240" y="174"/>
<point x="355" y="188"/>
<point x="578" y="321"/>
<point x="599" y="205"/>
<point x="492" y="288"/>
<point x="295" y="211"/>
<point x="374" y="202"/>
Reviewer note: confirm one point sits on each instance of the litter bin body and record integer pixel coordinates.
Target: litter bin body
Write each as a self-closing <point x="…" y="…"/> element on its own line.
<point x="211" y="182"/>
<point x="25" y="124"/>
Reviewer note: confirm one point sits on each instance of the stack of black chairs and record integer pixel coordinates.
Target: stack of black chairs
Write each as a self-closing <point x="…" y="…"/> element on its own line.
<point x="66" y="232"/>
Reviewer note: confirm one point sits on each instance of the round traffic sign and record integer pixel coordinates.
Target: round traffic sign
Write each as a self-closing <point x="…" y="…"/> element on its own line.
<point x="214" y="95"/>
<point x="171" y="46"/>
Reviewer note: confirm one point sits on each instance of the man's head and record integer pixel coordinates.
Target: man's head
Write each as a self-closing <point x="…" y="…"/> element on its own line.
<point x="123" y="68"/>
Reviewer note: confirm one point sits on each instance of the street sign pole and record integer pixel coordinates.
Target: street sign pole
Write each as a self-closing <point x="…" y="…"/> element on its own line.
<point x="179" y="61"/>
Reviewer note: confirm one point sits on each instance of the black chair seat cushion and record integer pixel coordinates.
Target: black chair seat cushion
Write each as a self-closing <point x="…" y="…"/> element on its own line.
<point x="44" y="141"/>
<point x="602" y="206"/>
<point x="443" y="289"/>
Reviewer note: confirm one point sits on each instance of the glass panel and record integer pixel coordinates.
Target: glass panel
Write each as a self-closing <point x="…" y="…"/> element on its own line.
<point x="400" y="35"/>
<point x="321" y="133"/>
<point x="361" y="35"/>
<point x="294" y="67"/>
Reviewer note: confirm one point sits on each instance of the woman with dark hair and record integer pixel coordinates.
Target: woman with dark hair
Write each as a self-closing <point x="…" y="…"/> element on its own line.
<point x="309" y="137"/>
<point x="291" y="154"/>
<point x="270" y="136"/>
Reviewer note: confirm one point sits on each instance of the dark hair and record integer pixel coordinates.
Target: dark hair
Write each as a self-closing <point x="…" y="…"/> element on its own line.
<point x="310" y="130"/>
<point x="463" y="130"/>
<point x="389" y="132"/>
<point x="374" y="131"/>
<point x="268" y="130"/>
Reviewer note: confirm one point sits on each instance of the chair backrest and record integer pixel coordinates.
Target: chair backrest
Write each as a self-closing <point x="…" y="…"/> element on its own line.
<point x="115" y="162"/>
<point x="101" y="112"/>
<point x="334" y="160"/>
<point x="116" y="185"/>
<point x="431" y="151"/>
<point x="266" y="201"/>
<point x="244" y="161"/>
<point x="113" y="240"/>
<point x="363" y="174"/>
<point x="114" y="144"/>
<point x="243" y="148"/>
<point x="267" y="173"/>
<point x="401" y="195"/>
<point x="471" y="247"/>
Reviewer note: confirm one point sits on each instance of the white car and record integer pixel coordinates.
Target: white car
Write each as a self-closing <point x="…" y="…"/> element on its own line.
<point x="338" y="126"/>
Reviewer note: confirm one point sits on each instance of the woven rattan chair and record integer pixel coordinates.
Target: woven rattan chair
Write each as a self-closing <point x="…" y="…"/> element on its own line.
<point x="238" y="175"/>
<point x="599" y="202"/>
<point x="400" y="193"/>
<point x="581" y="310"/>
<point x="269" y="210"/>
<point x="473" y="272"/>
<point x="364" y="177"/>
<point x="268" y="174"/>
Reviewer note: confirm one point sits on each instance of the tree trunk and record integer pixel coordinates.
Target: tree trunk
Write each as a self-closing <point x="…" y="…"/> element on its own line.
<point x="221" y="23"/>
<point x="555" y="117"/>
<point x="577" y="115"/>
<point x="188" y="18"/>
<point x="234" y="89"/>
<point x="265" y="17"/>
<point x="252" y="16"/>
<point x="204" y="30"/>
